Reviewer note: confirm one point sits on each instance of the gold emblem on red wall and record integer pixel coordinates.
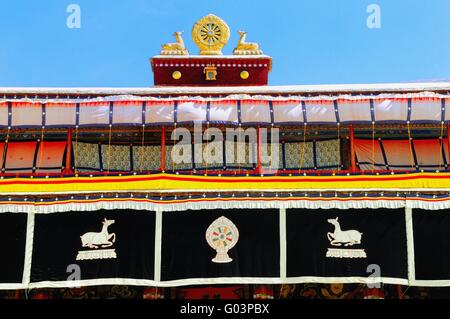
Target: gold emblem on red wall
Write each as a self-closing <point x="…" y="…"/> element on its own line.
<point x="210" y="73"/>
<point x="210" y="34"/>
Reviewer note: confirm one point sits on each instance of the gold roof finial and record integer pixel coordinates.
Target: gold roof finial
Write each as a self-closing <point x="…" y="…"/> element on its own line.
<point x="246" y="48"/>
<point x="177" y="48"/>
<point x="210" y="34"/>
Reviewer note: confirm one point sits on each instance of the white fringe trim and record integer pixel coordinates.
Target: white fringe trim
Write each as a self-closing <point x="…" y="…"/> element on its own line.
<point x="276" y="203"/>
<point x="428" y="205"/>
<point x="217" y="204"/>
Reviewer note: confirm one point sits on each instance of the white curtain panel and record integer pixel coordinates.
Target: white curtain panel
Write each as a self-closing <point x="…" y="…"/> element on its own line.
<point x="26" y="114"/>
<point x="94" y="113"/>
<point x="426" y="110"/>
<point x="159" y="112"/>
<point x="255" y="111"/>
<point x="354" y="111"/>
<point x="191" y="111"/>
<point x="4" y="114"/>
<point x="288" y="112"/>
<point x="391" y="110"/>
<point x="223" y="112"/>
<point x="60" y="114"/>
<point x="320" y="112"/>
<point x="127" y="112"/>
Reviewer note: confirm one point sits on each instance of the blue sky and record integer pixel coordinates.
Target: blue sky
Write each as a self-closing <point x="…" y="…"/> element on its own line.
<point x="311" y="42"/>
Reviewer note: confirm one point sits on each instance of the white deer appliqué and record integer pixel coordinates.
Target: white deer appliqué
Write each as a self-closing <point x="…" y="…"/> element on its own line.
<point x="101" y="239"/>
<point x="346" y="237"/>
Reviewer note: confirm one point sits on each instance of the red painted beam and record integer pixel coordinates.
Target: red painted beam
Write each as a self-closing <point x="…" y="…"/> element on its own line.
<point x="68" y="165"/>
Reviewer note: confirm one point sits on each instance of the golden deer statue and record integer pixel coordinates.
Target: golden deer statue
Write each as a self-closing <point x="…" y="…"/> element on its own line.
<point x="246" y="48"/>
<point x="176" y="48"/>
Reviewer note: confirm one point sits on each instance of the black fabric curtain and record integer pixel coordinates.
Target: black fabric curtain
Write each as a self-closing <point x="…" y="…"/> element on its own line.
<point x="431" y="244"/>
<point x="187" y="254"/>
<point x="104" y="244"/>
<point x="13" y="229"/>
<point x="340" y="243"/>
<point x="225" y="245"/>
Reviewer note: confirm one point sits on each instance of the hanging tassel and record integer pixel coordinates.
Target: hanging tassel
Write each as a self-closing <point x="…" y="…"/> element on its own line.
<point x="411" y="156"/>
<point x="373" y="147"/>
<point x="302" y="154"/>
<point x="6" y="145"/>
<point x="441" y="143"/>
<point x="76" y="151"/>
<point x="207" y="147"/>
<point x="339" y="146"/>
<point x="174" y="141"/>
<point x="109" y="148"/>
<point x="142" y="148"/>
<point x="41" y="150"/>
